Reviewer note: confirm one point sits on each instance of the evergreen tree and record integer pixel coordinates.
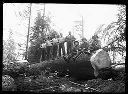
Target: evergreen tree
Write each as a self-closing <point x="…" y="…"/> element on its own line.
<point x="114" y="34"/>
<point x="9" y="49"/>
<point x="38" y="34"/>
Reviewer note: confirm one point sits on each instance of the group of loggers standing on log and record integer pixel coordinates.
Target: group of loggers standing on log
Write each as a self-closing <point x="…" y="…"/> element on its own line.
<point x="60" y="46"/>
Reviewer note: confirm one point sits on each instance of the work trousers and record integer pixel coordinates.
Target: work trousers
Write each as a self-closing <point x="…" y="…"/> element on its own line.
<point x="43" y="54"/>
<point x="49" y="49"/>
<point x="38" y="54"/>
<point x="69" y="47"/>
<point x="54" y="51"/>
<point x="61" y="46"/>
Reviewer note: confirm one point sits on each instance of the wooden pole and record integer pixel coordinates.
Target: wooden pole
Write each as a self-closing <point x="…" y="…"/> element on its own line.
<point x="43" y="29"/>
<point x="26" y="57"/>
<point x="44" y="11"/>
<point x="82" y="28"/>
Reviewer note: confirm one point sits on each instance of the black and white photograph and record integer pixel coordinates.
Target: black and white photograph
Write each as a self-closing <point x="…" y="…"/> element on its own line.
<point x="61" y="47"/>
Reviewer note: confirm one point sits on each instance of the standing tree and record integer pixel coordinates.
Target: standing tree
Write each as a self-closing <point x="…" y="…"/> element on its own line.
<point x="9" y="49"/>
<point x="38" y="35"/>
<point x="114" y="34"/>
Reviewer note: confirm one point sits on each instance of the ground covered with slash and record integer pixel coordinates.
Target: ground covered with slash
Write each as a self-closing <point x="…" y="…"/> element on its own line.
<point x="52" y="83"/>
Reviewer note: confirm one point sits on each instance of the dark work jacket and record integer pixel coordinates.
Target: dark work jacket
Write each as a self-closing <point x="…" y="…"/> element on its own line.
<point x="75" y="50"/>
<point x="69" y="39"/>
<point x="95" y="45"/>
<point x="84" y="45"/>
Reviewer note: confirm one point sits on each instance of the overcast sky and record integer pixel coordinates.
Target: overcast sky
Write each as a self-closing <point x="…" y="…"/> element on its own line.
<point x="62" y="16"/>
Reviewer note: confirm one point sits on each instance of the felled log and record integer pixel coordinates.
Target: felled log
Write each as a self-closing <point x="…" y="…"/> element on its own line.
<point x="99" y="60"/>
<point x="119" y="66"/>
<point x="81" y="69"/>
<point x="101" y="63"/>
<point x="54" y="65"/>
<point x="15" y="69"/>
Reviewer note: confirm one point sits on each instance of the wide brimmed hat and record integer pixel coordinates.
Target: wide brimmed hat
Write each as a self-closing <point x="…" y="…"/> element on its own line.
<point x="84" y="39"/>
<point x="76" y="42"/>
<point x="95" y="36"/>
